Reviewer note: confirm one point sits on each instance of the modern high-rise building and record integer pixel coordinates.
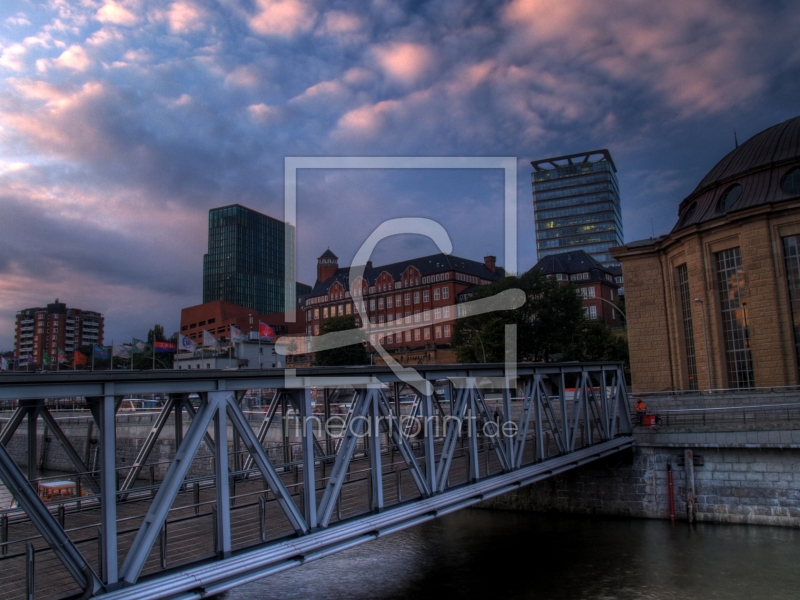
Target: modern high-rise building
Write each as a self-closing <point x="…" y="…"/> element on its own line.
<point x="576" y="205"/>
<point x="247" y="261"/>
<point x="56" y="327"/>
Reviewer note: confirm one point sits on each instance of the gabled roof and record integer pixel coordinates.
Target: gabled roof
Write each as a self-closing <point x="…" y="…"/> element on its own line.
<point x="426" y="265"/>
<point x="328" y="254"/>
<point x="575" y="261"/>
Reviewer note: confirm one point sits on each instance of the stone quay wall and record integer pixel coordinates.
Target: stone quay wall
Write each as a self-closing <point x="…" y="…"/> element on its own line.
<point x="746" y="464"/>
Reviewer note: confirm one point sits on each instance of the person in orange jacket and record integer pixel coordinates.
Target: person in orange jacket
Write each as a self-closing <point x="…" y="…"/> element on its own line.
<point x="640" y="409"/>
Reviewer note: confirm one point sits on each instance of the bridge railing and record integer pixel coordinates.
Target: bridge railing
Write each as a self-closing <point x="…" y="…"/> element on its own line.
<point x="229" y="485"/>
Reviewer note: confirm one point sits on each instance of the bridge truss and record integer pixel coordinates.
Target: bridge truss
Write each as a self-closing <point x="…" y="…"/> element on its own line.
<point x="336" y="458"/>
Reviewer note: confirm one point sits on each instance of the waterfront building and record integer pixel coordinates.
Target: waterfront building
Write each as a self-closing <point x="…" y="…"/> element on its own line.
<point x="53" y="327"/>
<point x="412" y="304"/>
<point x="576" y="205"/>
<point x="595" y="283"/>
<point x="217" y="317"/>
<point x="246" y="261"/>
<point x="716" y="302"/>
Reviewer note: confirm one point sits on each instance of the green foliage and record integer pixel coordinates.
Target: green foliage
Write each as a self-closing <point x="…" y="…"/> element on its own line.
<point x="355" y="354"/>
<point x="156" y="334"/>
<point x="550" y="326"/>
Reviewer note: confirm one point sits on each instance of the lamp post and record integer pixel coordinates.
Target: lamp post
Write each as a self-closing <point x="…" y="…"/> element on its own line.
<point x="624" y="316"/>
<point x="705" y="338"/>
<point x="483" y="350"/>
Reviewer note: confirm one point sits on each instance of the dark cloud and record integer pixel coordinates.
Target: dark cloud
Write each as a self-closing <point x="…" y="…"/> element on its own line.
<point x="123" y="123"/>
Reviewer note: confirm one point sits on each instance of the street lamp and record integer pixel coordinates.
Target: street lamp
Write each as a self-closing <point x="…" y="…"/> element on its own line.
<point x="479" y="340"/>
<point x="624" y="316"/>
<point x="705" y="338"/>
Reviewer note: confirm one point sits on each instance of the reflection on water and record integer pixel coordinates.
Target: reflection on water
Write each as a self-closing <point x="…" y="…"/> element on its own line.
<point x="492" y="554"/>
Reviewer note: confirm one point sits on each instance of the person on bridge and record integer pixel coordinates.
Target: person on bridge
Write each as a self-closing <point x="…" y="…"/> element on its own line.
<point x="640" y="409"/>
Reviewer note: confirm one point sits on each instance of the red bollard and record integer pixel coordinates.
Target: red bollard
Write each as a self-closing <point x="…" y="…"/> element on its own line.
<point x="671" y="484"/>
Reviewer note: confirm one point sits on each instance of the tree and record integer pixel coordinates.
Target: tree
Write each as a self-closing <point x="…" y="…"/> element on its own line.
<point x="156" y="334"/>
<point x="355" y="354"/>
<point x="546" y="324"/>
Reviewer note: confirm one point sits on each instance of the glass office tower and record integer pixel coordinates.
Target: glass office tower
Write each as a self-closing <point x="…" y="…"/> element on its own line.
<point x="576" y="205"/>
<point x="246" y="262"/>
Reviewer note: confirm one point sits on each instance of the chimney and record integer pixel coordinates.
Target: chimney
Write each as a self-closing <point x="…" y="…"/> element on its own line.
<point x="490" y="261"/>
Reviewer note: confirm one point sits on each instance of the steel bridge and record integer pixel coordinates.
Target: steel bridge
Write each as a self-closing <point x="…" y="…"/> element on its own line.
<point x="337" y="457"/>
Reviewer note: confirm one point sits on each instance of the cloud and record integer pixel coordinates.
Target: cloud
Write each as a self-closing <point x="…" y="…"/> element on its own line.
<point x="13" y="57"/>
<point x="404" y="61"/>
<point x="116" y="13"/>
<point x="74" y="57"/>
<point x="262" y="112"/>
<point x="283" y="18"/>
<point x="243" y="76"/>
<point x="185" y="17"/>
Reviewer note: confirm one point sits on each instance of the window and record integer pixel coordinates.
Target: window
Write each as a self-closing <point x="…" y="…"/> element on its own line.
<point x="417" y="316"/>
<point x="371" y="340"/>
<point x="389" y="339"/>
<point x="435" y="293"/>
<point x="380" y="319"/>
<point x="408" y="336"/>
<point x="380" y="303"/>
<point x="791" y="252"/>
<point x="308" y="316"/>
<point x="426" y="315"/>
<point x="416" y="297"/>
<point x="210" y="321"/>
<point x="341" y="310"/>
<point x="688" y="214"/>
<point x="738" y="358"/>
<point x="348" y="309"/>
<point x="445" y="293"/>
<point x="446" y="312"/>
<point x="308" y="330"/>
<point x="613" y="314"/>
<point x="611" y="292"/>
<point x="447" y="331"/>
<point x="316" y="329"/>
<point x="408" y="299"/>
<point x="399" y="300"/>
<point x="325" y="313"/>
<point x="426" y="296"/>
<point x="437" y="314"/>
<point x="201" y="323"/>
<point x="388" y="302"/>
<point x="591" y="292"/>
<point x="682" y="276"/>
<point x="427" y="333"/>
<point x="316" y="313"/>
<point x="417" y="335"/>
<point x="408" y="316"/>
<point x="593" y="312"/>
<point x="729" y="198"/>
<point x="389" y="317"/>
<point x="399" y="317"/>
<point x="791" y="182"/>
<point x="438" y="332"/>
<point x="372" y="304"/>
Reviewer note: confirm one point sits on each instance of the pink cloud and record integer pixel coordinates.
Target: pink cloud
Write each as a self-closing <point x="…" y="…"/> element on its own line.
<point x="282" y="18"/>
<point x="404" y="61"/>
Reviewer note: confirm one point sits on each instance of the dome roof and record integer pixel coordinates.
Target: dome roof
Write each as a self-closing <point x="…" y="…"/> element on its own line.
<point x="748" y="176"/>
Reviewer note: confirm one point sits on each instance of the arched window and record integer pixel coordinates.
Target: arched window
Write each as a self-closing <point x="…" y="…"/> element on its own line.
<point x="791" y="182"/>
<point x="729" y="198"/>
<point x="688" y="213"/>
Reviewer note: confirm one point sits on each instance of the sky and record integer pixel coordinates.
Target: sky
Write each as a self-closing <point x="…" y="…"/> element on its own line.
<point x="122" y="122"/>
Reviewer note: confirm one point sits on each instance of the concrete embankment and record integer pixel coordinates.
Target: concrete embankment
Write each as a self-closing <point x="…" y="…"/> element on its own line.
<point x="744" y="465"/>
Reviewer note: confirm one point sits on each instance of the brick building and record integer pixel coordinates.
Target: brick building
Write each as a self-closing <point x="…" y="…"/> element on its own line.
<point x="412" y="304"/>
<point x="53" y="327"/>
<point x="595" y="283"/>
<point x="716" y="302"/>
<point x="216" y="317"/>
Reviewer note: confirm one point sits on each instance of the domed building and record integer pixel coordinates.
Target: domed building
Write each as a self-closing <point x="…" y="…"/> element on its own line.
<point x="716" y="302"/>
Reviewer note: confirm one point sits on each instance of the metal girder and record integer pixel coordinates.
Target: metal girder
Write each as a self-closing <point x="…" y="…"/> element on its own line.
<point x="264" y="465"/>
<point x="344" y="455"/>
<point x="221" y="401"/>
<point x="51" y="531"/>
<point x="494" y="439"/>
<point x="76" y="460"/>
<point x="309" y="464"/>
<point x="402" y="445"/>
<point x="176" y="473"/>
<point x="264" y="427"/>
<point x="453" y="431"/>
<point x="191" y="412"/>
<point x="147" y="446"/>
<point x="107" y="409"/>
<point x="376" y="467"/>
<point x="13" y="423"/>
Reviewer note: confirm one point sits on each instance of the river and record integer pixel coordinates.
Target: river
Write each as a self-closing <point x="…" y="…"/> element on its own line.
<point x="509" y="555"/>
